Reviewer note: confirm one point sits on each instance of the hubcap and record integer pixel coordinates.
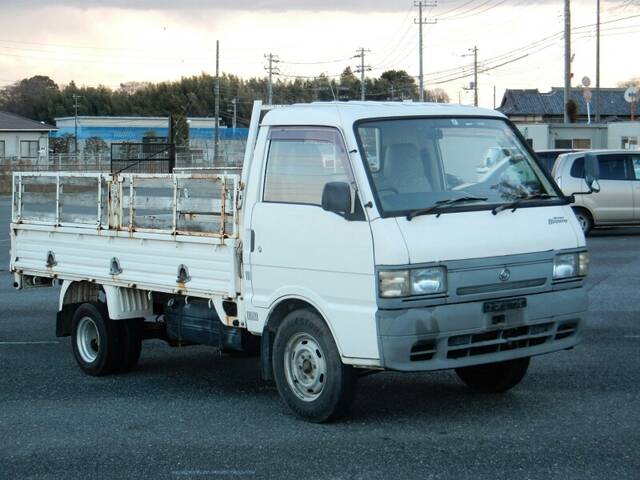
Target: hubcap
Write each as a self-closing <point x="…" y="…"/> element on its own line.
<point x="88" y="339"/>
<point x="305" y="367"/>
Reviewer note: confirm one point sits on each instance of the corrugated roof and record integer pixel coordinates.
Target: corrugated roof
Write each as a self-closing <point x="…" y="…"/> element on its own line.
<point x="11" y="121"/>
<point x="534" y="102"/>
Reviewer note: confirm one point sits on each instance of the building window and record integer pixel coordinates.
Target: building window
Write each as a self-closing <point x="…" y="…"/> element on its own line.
<point x="2" y="153"/>
<point x="562" y="143"/>
<point x="629" y="143"/>
<point x="582" y="143"/>
<point x="29" y="149"/>
<point x="575" y="144"/>
<point x="301" y="162"/>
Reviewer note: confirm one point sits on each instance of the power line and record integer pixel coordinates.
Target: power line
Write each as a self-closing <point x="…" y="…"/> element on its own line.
<point x="321" y="62"/>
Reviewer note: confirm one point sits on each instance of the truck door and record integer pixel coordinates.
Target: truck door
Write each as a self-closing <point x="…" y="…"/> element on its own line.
<point x="302" y="250"/>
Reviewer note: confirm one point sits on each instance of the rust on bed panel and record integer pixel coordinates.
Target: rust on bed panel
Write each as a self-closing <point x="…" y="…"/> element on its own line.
<point x="115" y="192"/>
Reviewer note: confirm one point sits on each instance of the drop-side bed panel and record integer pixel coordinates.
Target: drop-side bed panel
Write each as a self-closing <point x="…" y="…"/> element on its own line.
<point x="174" y="233"/>
<point x="144" y="261"/>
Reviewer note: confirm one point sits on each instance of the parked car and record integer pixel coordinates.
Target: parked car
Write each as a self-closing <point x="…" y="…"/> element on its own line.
<point x="548" y="157"/>
<point x="618" y="202"/>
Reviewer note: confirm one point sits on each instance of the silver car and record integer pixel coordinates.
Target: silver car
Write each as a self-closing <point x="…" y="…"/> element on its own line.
<point x="617" y="202"/>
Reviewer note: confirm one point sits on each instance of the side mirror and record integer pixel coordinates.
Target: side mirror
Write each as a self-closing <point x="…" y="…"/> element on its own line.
<point x="591" y="172"/>
<point x="336" y="197"/>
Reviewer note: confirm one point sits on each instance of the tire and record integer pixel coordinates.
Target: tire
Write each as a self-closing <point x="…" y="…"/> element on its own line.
<point x="585" y="220"/>
<point x="96" y="340"/>
<point x="131" y="340"/>
<point x="494" y="377"/>
<point x="309" y="375"/>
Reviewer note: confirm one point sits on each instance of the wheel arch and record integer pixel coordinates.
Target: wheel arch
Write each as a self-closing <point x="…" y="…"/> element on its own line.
<point x="279" y="309"/>
<point x="588" y="210"/>
<point x="121" y="303"/>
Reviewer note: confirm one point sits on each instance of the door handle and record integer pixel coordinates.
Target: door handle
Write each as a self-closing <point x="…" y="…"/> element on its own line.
<point x="253" y="240"/>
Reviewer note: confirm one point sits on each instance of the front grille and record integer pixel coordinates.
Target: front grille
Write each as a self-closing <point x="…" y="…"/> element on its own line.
<point x="470" y="345"/>
<point x="423" y="351"/>
<point x="500" y="287"/>
<point x="493" y="341"/>
<point x="566" y="329"/>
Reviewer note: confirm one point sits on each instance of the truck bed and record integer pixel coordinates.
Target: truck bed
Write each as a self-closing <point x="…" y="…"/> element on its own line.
<point x="173" y="233"/>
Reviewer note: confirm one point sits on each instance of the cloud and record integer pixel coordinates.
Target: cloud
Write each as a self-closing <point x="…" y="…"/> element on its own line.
<point x="364" y="6"/>
<point x="249" y="5"/>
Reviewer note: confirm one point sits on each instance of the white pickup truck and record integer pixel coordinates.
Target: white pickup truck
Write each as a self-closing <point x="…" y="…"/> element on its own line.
<point x="358" y="237"/>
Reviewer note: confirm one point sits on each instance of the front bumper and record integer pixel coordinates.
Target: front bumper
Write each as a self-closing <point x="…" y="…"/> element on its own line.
<point x="460" y="335"/>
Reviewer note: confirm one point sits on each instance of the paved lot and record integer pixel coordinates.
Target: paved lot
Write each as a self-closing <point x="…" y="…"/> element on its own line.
<point x="190" y="414"/>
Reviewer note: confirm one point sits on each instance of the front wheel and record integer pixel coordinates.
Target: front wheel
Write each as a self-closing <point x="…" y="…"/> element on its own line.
<point x="309" y="374"/>
<point x="494" y="377"/>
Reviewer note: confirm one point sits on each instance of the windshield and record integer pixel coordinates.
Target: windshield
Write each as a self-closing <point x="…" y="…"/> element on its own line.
<point x="421" y="162"/>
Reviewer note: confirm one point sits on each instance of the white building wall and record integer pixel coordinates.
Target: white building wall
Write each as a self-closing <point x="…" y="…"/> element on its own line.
<point x="538" y="133"/>
<point x="12" y="141"/>
<point x="624" y="135"/>
<point x="132" y="122"/>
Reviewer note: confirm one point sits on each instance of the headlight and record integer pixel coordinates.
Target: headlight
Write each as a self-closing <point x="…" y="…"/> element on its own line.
<point x="427" y="281"/>
<point x="394" y="283"/>
<point x="567" y="265"/>
<point x="419" y="281"/>
<point x="584" y="260"/>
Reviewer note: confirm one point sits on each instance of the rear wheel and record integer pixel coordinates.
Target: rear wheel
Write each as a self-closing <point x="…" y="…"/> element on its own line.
<point x="585" y="220"/>
<point x="96" y="340"/>
<point x="309" y="374"/>
<point x="494" y="377"/>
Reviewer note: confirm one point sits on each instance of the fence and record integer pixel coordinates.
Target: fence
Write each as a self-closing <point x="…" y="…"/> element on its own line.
<point x="199" y="156"/>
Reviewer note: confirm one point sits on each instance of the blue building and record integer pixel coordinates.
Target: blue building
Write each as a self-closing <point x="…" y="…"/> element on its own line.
<point x="135" y="129"/>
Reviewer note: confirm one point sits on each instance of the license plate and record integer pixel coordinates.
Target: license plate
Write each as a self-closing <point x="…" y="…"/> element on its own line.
<point x="503" y="305"/>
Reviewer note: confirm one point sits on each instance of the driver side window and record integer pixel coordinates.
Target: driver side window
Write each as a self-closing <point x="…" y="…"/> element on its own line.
<point x="301" y="161"/>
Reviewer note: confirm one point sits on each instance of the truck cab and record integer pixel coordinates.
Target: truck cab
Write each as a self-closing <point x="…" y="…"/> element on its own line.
<point x="351" y="217"/>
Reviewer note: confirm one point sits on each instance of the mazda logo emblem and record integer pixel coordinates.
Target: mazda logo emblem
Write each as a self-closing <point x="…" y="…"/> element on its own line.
<point x="504" y="275"/>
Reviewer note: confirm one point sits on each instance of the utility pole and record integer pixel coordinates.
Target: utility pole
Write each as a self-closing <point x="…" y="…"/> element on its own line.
<point x="597" y="92"/>
<point x="272" y="71"/>
<point x="475" y="76"/>
<point x="567" y="56"/>
<point x="494" y="97"/>
<point x="216" y="144"/>
<point x="361" y="69"/>
<point x="234" y="109"/>
<point x="422" y="21"/>
<point x="75" y="121"/>
<point x="474" y="51"/>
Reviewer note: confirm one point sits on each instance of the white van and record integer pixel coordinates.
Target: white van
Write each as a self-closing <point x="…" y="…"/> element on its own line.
<point x="344" y="247"/>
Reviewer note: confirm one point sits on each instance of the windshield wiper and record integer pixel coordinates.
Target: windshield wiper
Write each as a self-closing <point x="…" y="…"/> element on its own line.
<point x="516" y="203"/>
<point x="441" y="204"/>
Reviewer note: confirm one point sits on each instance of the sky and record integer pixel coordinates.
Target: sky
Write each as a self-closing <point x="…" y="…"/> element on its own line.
<point x="519" y="42"/>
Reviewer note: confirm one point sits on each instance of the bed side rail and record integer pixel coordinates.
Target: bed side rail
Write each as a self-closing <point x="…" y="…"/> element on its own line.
<point x="198" y="204"/>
